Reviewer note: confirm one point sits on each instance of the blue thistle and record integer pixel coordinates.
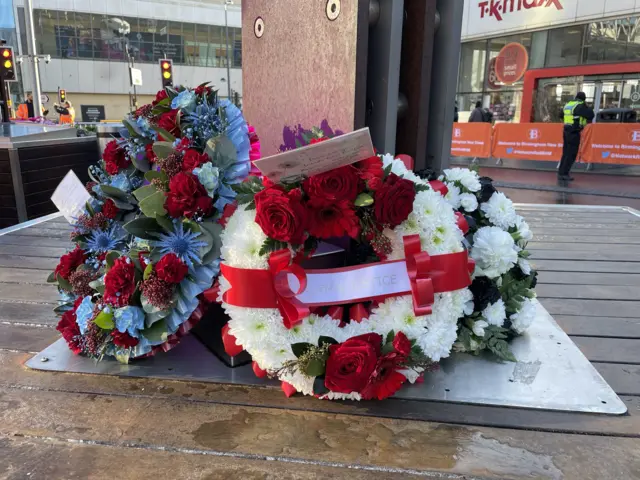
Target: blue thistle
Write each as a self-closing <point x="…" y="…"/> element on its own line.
<point x="101" y="241"/>
<point x="183" y="243"/>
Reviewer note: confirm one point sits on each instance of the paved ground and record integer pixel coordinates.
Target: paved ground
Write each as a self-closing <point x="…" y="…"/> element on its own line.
<point x="69" y="426"/>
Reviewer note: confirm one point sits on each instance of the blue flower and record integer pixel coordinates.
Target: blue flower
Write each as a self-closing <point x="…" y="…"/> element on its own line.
<point x="84" y="314"/>
<point x="101" y="241"/>
<point x="121" y="181"/>
<point x="237" y="131"/>
<point x="209" y="177"/>
<point x="130" y="320"/>
<point x="186" y="100"/>
<point x="183" y="243"/>
<point x="205" y="122"/>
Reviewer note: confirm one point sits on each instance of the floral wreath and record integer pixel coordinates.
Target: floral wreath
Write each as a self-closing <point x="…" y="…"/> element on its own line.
<point x="503" y="282"/>
<point x="147" y="244"/>
<point x="352" y="350"/>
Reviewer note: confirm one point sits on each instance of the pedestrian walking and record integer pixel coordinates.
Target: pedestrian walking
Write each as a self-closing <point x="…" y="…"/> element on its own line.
<point x="577" y="115"/>
<point x="478" y="115"/>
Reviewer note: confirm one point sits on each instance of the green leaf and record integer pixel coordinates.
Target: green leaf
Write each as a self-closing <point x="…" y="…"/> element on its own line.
<point x="90" y="209"/>
<point x="501" y="349"/>
<point x="163" y="149"/>
<point x="105" y="321"/>
<point x="151" y="318"/>
<point x="364" y="200"/>
<point x="390" y="336"/>
<point x="112" y="256"/>
<point x="60" y="309"/>
<point x="271" y="245"/>
<point x="132" y="131"/>
<point x="144" y="192"/>
<point x="315" y="368"/>
<point x="156" y="332"/>
<point x="326" y="340"/>
<point x="153" y="205"/>
<point x="64" y="284"/>
<point x="166" y="223"/>
<point x="141" y="164"/>
<point x="92" y="177"/>
<point x="222" y="151"/>
<point x="115" y="193"/>
<point x="168" y="137"/>
<point x="147" y="272"/>
<point x="387" y="170"/>
<point x="300" y="349"/>
<point x="123" y="356"/>
<point x="153" y="174"/>
<point x="142" y="228"/>
<point x="318" y="386"/>
<point x="52" y="278"/>
<point x="97" y="285"/>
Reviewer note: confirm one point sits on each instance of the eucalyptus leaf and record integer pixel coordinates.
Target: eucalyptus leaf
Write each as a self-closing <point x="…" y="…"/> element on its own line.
<point x="90" y="209"/>
<point x="122" y="205"/>
<point x="144" y="192"/>
<point x="214" y="229"/>
<point x="163" y="149"/>
<point x="116" y="193"/>
<point x="153" y="205"/>
<point x="153" y="174"/>
<point x="319" y="387"/>
<point x="60" y="309"/>
<point x="151" y="318"/>
<point x="52" y="278"/>
<point x="143" y="227"/>
<point x="97" y="285"/>
<point x="130" y="128"/>
<point x="112" y="256"/>
<point x="141" y="164"/>
<point x="64" y="284"/>
<point x="224" y="153"/>
<point x="147" y="272"/>
<point x="157" y="332"/>
<point x="168" y="136"/>
<point x="315" y="368"/>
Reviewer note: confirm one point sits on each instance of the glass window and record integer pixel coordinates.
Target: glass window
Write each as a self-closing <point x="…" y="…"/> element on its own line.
<point x="196" y="50"/>
<point x="606" y="41"/>
<point x="564" y="45"/>
<point x="237" y="48"/>
<point x="66" y="26"/>
<point x="472" y="66"/>
<point x="45" y="23"/>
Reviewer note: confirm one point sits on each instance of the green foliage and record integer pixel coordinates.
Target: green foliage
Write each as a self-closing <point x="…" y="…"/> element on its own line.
<point x="387" y="170"/>
<point x="143" y="227"/>
<point x="326" y="341"/>
<point x="514" y="291"/>
<point x="153" y="174"/>
<point x="299" y="349"/>
<point x="52" y="278"/>
<point x="64" y="284"/>
<point x="105" y="321"/>
<point x="163" y="149"/>
<point x="270" y="245"/>
<point x="315" y="367"/>
<point x="157" y="332"/>
<point x="364" y="200"/>
<point x="147" y="272"/>
<point x="222" y="152"/>
<point x="112" y="256"/>
<point x="421" y="188"/>
<point x="153" y="205"/>
<point x="167" y="136"/>
<point x="246" y="191"/>
<point x="319" y="387"/>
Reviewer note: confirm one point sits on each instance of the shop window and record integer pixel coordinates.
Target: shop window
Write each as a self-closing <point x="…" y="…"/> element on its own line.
<point x="564" y="46"/>
<point x="606" y="41"/>
<point x="472" y="66"/>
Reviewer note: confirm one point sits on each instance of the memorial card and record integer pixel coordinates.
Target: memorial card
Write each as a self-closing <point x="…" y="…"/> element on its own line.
<point x="319" y="157"/>
<point x="70" y="197"/>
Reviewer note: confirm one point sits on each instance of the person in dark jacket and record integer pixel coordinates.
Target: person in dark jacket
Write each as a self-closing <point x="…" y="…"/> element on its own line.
<point x="577" y="115"/>
<point x="478" y="114"/>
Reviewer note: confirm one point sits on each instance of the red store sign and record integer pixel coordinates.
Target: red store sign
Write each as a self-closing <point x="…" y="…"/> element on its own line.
<point x="498" y="8"/>
<point x="511" y="63"/>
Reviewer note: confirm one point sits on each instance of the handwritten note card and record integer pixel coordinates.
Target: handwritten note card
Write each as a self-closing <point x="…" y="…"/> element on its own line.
<point x="319" y="157"/>
<point x="70" y="197"/>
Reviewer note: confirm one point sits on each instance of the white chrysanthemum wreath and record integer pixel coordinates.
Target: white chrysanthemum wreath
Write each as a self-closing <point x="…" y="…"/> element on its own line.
<point x="326" y="355"/>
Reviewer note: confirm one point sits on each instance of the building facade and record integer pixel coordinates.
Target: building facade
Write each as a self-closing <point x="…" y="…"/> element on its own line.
<point x="572" y="45"/>
<point x="88" y="42"/>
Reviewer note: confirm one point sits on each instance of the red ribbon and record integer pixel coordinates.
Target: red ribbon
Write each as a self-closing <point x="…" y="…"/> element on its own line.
<point x="439" y="187"/>
<point x="358" y="313"/>
<point x="419" y="267"/>
<point x="463" y="225"/>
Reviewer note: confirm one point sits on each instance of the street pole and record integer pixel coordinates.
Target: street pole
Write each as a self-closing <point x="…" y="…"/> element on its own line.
<point x="31" y="43"/>
<point x="226" y="27"/>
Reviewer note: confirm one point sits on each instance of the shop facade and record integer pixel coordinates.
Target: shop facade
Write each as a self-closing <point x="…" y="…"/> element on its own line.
<point x="571" y="45"/>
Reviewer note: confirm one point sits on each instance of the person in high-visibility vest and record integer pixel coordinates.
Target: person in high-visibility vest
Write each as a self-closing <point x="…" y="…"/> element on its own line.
<point x="67" y="113"/>
<point x="577" y="115"/>
<point x="26" y="109"/>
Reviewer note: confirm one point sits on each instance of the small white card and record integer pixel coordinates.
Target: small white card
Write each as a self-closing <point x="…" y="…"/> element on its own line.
<point x="319" y="157"/>
<point x="70" y="197"/>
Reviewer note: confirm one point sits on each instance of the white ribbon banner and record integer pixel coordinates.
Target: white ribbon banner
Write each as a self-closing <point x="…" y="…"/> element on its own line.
<point x="353" y="285"/>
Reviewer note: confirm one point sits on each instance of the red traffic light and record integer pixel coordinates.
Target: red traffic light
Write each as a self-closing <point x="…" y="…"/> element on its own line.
<point x="166" y="65"/>
<point x="166" y="71"/>
<point x="6" y="53"/>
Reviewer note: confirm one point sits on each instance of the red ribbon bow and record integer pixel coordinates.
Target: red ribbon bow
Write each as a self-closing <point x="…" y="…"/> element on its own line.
<point x="291" y="309"/>
<point x="439" y="187"/>
<point x="419" y="267"/>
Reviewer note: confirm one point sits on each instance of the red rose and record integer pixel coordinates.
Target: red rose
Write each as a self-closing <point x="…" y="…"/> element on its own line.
<point x="351" y="364"/>
<point x="193" y="159"/>
<point x="280" y="215"/>
<point x="123" y="340"/>
<point x="120" y="283"/>
<point x="70" y="331"/>
<point x="202" y="89"/>
<point x="374" y="184"/>
<point x="115" y="158"/>
<point x="401" y="344"/>
<point x="171" y="269"/>
<point x="334" y="185"/>
<point x="385" y="379"/>
<point x="184" y="196"/>
<point x="161" y="95"/>
<point x="109" y="209"/>
<point x="370" y="168"/>
<point x="333" y="219"/>
<point x="69" y="262"/>
<point x="394" y="201"/>
<point x="168" y="122"/>
<point x="151" y="155"/>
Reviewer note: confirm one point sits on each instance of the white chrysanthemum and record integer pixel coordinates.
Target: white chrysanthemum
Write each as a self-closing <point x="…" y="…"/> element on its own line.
<point x="468" y="178"/>
<point x="525" y="234"/>
<point x="478" y="328"/>
<point x="496" y="313"/>
<point x="469" y="202"/>
<point x="500" y="211"/>
<point x="453" y="196"/>
<point x="438" y="341"/>
<point x="522" y="320"/>
<point x="494" y="251"/>
<point x="524" y="265"/>
<point x="398" y="167"/>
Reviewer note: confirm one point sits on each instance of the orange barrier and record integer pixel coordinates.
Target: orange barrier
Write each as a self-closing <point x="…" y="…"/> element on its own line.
<point x="471" y="140"/>
<point x="614" y="143"/>
<point x="528" y="141"/>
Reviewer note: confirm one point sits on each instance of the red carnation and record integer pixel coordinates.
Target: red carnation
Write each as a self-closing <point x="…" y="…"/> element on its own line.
<point x="202" y="89"/>
<point x="402" y="344"/>
<point x="123" y="340"/>
<point x="187" y="196"/>
<point x="120" y="282"/>
<point x="168" y="122"/>
<point x="69" y="262"/>
<point x="89" y="186"/>
<point x="193" y="159"/>
<point x="171" y="269"/>
<point x="70" y="331"/>
<point x="151" y="155"/>
<point x="385" y="379"/>
<point x="161" y="95"/>
<point x="115" y="158"/>
<point x="280" y="215"/>
<point x="334" y="185"/>
<point x="109" y="209"/>
<point x="370" y="168"/>
<point x="351" y="364"/>
<point x="333" y="219"/>
<point x="394" y="201"/>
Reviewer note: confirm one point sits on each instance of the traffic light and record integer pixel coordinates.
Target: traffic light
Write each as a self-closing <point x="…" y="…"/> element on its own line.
<point x="62" y="95"/>
<point x="166" y="71"/>
<point x="7" y="64"/>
